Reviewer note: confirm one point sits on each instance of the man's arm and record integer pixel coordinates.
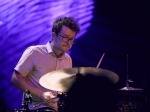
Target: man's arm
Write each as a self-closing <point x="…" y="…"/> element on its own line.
<point x="21" y="83"/>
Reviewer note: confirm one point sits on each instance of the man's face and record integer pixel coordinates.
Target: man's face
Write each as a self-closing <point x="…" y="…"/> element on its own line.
<point x="61" y="39"/>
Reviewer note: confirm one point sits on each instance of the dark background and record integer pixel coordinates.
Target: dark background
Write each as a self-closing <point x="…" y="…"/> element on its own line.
<point x="120" y="29"/>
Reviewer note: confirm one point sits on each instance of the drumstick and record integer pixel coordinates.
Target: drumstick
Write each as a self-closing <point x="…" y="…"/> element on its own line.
<point x="100" y="61"/>
<point x="47" y="101"/>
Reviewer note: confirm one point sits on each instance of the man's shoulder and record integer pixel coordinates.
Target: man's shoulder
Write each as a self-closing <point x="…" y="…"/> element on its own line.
<point x="37" y="47"/>
<point x="67" y="55"/>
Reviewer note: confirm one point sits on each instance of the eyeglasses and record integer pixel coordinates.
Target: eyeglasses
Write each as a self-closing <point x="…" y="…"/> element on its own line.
<point x="66" y="39"/>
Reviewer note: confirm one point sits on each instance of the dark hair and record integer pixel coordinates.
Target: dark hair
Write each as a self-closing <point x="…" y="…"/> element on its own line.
<point x="67" y="21"/>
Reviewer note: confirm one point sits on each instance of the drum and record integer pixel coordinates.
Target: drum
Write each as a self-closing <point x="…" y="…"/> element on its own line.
<point x="132" y="100"/>
<point x="60" y="102"/>
<point x="24" y="110"/>
<point x="17" y="110"/>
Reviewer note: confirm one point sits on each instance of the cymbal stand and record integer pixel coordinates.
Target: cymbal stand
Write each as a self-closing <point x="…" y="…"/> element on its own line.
<point x="27" y="98"/>
<point x="128" y="80"/>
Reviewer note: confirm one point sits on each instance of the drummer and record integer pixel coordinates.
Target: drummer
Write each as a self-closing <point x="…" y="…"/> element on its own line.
<point x="41" y="59"/>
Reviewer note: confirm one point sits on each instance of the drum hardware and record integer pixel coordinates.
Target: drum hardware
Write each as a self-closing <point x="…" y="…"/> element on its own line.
<point x="61" y="102"/>
<point x="127" y="87"/>
<point x="27" y="98"/>
<point x="132" y="100"/>
<point x="55" y="99"/>
<point x="59" y="99"/>
<point x="62" y="80"/>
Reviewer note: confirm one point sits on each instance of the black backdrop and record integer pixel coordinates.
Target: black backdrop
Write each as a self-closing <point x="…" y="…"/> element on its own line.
<point x="120" y="29"/>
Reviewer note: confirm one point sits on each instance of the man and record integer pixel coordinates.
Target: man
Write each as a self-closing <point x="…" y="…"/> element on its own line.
<point x="41" y="59"/>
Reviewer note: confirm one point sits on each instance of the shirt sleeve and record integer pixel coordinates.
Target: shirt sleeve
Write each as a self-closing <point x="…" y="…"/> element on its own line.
<point x="26" y="62"/>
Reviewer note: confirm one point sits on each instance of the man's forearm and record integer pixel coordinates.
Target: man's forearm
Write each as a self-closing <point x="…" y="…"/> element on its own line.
<point x="19" y="81"/>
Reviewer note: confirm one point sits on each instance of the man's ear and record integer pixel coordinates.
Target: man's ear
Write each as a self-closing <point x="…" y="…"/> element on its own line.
<point x="53" y="35"/>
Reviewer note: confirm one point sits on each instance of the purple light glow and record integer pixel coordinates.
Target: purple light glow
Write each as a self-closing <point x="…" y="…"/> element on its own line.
<point x="28" y="22"/>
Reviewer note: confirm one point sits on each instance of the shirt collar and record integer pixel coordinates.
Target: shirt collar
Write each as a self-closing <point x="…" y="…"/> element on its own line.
<point x="49" y="50"/>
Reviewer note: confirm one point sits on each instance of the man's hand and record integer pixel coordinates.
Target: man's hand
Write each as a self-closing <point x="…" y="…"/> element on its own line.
<point x="48" y="96"/>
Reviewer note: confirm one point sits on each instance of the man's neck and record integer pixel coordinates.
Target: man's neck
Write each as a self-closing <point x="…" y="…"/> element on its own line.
<point x="58" y="54"/>
<point x="56" y="51"/>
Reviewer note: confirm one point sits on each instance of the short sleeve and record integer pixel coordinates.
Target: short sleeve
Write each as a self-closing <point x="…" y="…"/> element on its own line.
<point x="26" y="62"/>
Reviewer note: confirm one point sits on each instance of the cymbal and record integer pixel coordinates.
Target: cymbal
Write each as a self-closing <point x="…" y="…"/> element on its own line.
<point x="131" y="89"/>
<point x="61" y="80"/>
